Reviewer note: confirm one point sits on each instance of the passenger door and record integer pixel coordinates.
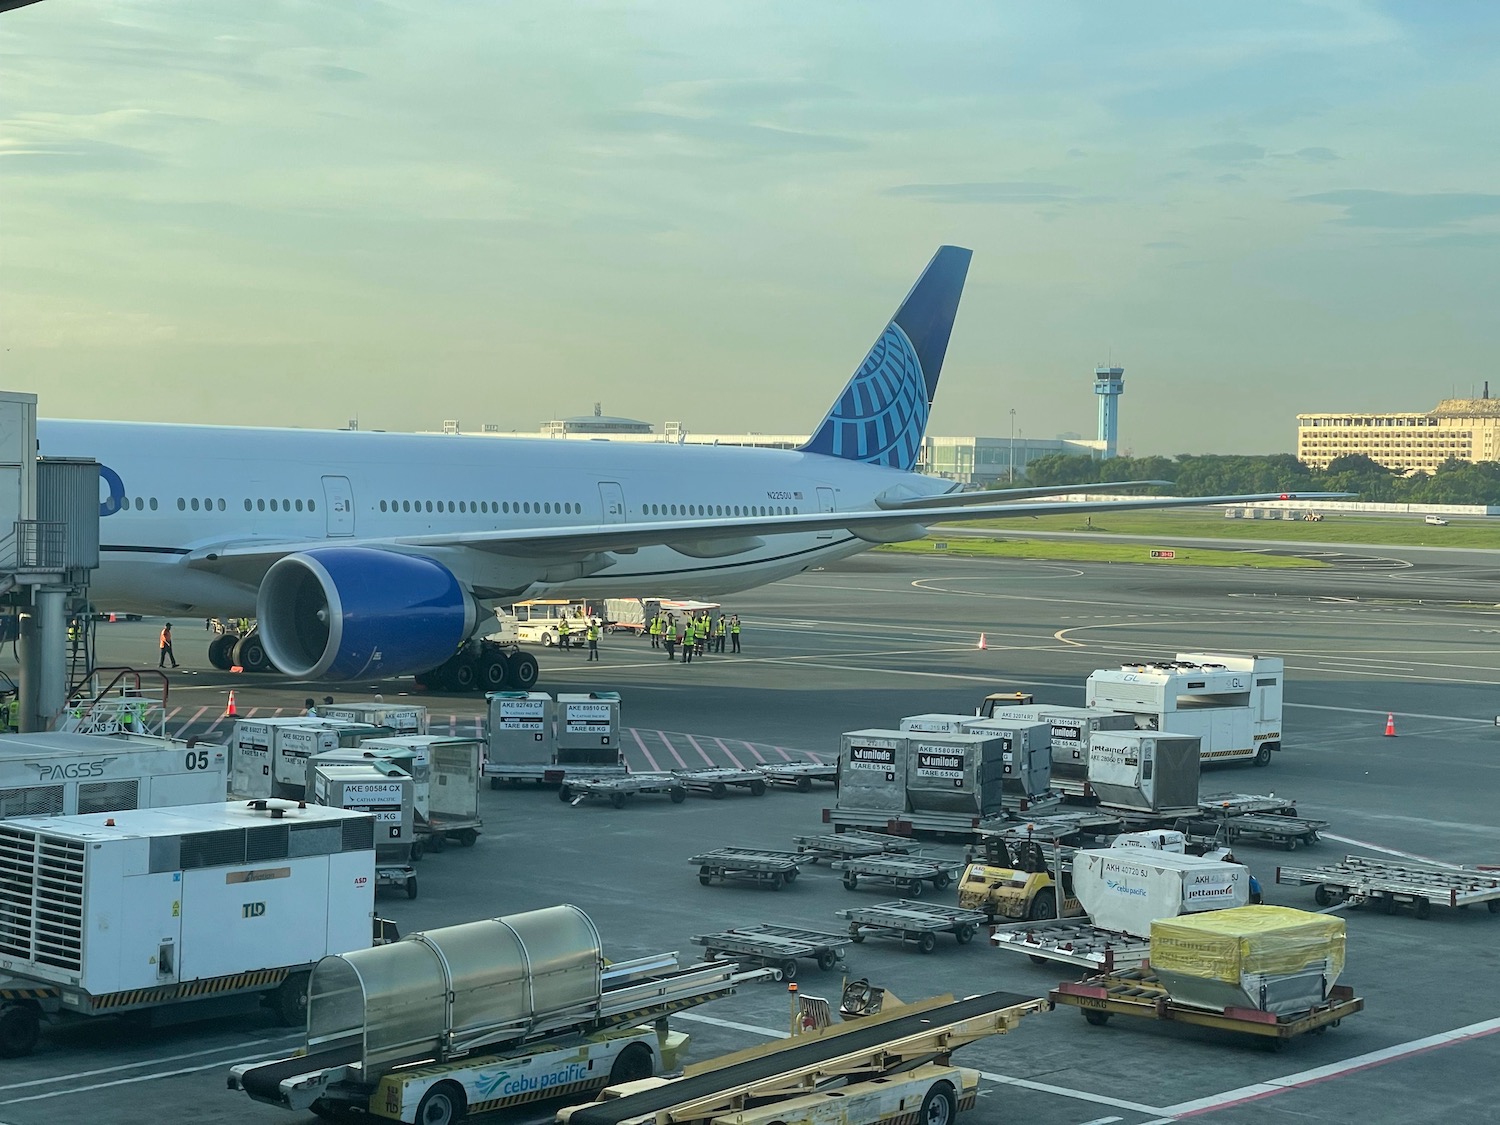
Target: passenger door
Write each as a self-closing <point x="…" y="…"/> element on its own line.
<point x="338" y="501"/>
<point x="612" y="501"/>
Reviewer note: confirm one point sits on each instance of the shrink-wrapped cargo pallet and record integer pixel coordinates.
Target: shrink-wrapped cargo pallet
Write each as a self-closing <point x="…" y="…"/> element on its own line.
<point x="1271" y="958"/>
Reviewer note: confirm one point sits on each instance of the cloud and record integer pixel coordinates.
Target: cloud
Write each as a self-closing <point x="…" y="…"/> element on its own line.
<point x="744" y="95"/>
<point x="1168" y="244"/>
<point x="1230" y="178"/>
<point x="1007" y="191"/>
<point x="1316" y="154"/>
<point x="1230" y="152"/>
<point x="71" y="156"/>
<point x="725" y="136"/>
<point x="1393" y="209"/>
<point x="337" y="73"/>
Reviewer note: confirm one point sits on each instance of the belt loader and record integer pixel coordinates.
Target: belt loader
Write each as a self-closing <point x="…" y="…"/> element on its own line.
<point x="482" y="1016"/>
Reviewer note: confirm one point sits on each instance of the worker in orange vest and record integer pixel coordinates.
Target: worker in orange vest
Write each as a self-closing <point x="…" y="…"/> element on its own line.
<point x="166" y="647"/>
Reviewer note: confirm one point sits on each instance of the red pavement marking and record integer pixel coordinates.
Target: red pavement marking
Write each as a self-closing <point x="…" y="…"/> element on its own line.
<point x="667" y="742"/>
<point x="782" y="752"/>
<point x="759" y="757"/>
<point x="700" y="750"/>
<point x="728" y="753"/>
<point x="650" y="761"/>
<point x="198" y="714"/>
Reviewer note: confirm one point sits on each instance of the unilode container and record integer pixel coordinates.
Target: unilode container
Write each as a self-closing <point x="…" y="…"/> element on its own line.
<point x="935" y="724"/>
<point x="1127" y="889"/>
<point x="1026" y="756"/>
<point x="955" y="773"/>
<point x="1145" y="771"/>
<point x="1266" y="957"/>
<point x="1072" y="731"/>
<point x="872" y="770"/>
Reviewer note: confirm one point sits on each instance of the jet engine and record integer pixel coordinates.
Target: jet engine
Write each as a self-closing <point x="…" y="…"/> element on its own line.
<point x="345" y="613"/>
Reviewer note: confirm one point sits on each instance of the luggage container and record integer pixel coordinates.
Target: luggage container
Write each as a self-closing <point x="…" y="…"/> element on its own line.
<point x="1073" y="729"/>
<point x="520" y="731"/>
<point x="1145" y="771"/>
<point x="250" y="755"/>
<point x="55" y="773"/>
<point x="588" y="728"/>
<point x="1267" y="958"/>
<point x="453" y="795"/>
<point x="401" y="718"/>
<point x="384" y="792"/>
<point x="872" y="771"/>
<point x="293" y="745"/>
<point x="955" y="773"/>
<point x="1026" y="754"/>
<point x="1125" y="890"/>
<point x="198" y="907"/>
<point x="935" y="724"/>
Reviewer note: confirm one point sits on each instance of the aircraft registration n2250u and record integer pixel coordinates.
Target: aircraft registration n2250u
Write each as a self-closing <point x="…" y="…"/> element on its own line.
<point x="364" y="555"/>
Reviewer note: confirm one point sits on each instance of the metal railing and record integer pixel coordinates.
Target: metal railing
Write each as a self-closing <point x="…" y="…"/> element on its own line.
<point x="35" y="545"/>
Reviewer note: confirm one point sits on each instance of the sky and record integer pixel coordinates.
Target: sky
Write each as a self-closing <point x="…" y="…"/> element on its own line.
<point x="293" y="213"/>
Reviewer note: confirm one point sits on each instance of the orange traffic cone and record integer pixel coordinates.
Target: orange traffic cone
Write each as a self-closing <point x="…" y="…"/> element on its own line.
<point x="982" y="644"/>
<point x="1390" y="725"/>
<point x="231" y="711"/>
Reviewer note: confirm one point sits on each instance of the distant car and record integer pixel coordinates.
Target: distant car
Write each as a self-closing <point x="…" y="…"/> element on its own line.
<point x="1436" y="521"/>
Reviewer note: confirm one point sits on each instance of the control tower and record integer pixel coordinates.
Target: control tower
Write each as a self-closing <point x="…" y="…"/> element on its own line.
<point x="1109" y="385"/>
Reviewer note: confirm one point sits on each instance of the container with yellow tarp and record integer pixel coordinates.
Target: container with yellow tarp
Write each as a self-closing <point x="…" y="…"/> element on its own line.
<point x="1266" y="957"/>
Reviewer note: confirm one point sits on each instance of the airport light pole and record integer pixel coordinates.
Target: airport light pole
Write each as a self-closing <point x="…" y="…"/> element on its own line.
<point x="1012" y="445"/>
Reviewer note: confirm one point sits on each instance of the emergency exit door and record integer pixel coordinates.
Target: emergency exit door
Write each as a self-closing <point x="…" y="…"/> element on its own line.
<point x="612" y="501"/>
<point x="825" y="504"/>
<point x="338" y="505"/>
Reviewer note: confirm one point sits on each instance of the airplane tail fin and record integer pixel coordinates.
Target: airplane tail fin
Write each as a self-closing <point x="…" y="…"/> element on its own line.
<point x="881" y="415"/>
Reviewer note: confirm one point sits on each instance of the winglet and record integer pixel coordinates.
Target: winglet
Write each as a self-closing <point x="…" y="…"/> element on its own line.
<point x="881" y="415"/>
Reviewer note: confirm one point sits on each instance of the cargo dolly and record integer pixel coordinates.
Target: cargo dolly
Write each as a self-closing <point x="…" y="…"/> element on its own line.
<point x="1071" y="942"/>
<point x="1240" y="804"/>
<point x="716" y="782"/>
<point x="618" y="790"/>
<point x="1275" y="828"/>
<point x="918" y="923"/>
<point x="1390" y="884"/>
<point x="800" y="775"/>
<point x="906" y="871"/>
<point x="516" y="774"/>
<point x="776" y="947"/>
<point x="401" y="875"/>
<point x="850" y="845"/>
<point x="754" y="865"/>
<point x="1136" y="992"/>
<point x="434" y="833"/>
<point x="899" y="1058"/>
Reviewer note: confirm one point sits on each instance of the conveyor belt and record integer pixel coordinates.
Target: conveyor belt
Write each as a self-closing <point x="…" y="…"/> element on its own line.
<point x="791" y="1058"/>
<point x="265" y="1081"/>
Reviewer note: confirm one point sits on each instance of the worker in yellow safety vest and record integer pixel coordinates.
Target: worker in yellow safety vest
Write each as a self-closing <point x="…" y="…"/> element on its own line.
<point x="562" y="632"/>
<point x="593" y="639"/>
<point x="685" y="635"/>
<point x="721" y="633"/>
<point x="655" y="630"/>
<point x="734" y="633"/>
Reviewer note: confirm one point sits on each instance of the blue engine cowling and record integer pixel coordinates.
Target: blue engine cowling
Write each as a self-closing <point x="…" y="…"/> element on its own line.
<point x="346" y="613"/>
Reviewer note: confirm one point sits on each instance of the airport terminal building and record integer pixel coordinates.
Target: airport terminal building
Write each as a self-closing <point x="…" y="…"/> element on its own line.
<point x="1467" y="429"/>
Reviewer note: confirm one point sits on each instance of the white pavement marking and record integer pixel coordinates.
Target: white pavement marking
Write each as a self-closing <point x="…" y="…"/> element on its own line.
<point x="1002" y="1079"/>
<point x="1302" y="1078"/>
<point x="141" y="1078"/>
<point x="77" y="1074"/>
<point x="1103" y="1121"/>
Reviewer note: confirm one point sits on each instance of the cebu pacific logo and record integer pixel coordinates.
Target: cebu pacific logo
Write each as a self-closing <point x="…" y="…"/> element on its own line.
<point x="509" y="1084"/>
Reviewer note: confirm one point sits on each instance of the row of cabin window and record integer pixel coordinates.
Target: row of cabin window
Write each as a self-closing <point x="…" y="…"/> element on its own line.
<point x="486" y="507"/>
<point x="719" y="510"/>
<point x="210" y="504"/>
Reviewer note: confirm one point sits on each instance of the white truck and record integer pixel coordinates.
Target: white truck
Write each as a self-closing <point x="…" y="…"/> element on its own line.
<point x="1233" y="703"/>
<point x="479" y="1029"/>
<point x="176" y="913"/>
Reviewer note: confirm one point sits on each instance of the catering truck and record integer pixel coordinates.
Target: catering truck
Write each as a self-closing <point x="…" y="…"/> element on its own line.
<point x="480" y="1016"/>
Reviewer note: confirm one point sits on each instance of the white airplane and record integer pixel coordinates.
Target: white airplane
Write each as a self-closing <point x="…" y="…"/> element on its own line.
<point x="365" y="555"/>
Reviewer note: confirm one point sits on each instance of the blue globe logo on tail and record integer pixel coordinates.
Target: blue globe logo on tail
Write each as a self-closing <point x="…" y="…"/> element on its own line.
<point x="882" y="414"/>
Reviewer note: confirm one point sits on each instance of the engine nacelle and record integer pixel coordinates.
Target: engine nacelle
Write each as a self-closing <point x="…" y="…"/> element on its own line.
<point x="346" y="613"/>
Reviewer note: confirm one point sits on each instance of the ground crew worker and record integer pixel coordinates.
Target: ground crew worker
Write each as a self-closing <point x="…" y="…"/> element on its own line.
<point x="593" y="638"/>
<point x="685" y="638"/>
<point x="562" y="632"/>
<point x="721" y="632"/>
<point x="669" y="638"/>
<point x="702" y="632"/>
<point x="734" y="632"/>
<point x="654" y="629"/>
<point x="309" y="709"/>
<point x="166" y="647"/>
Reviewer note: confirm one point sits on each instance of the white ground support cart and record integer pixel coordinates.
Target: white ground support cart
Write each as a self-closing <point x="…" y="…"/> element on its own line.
<point x="776" y="947"/>
<point x="1072" y="941"/>
<point x="619" y="790"/>
<point x="1391" y="884"/>
<point x="717" y="782"/>
<point x="800" y="775"/>
<point x="918" y="923"/>
<point x="906" y="872"/>
<point x="752" y="865"/>
<point x="851" y="845"/>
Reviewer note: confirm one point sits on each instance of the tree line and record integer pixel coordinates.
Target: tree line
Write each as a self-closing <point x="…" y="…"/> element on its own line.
<point x="1454" y="482"/>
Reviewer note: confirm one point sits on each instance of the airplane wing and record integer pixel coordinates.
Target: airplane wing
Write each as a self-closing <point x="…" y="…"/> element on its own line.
<point x="705" y="537"/>
<point x="993" y="495"/>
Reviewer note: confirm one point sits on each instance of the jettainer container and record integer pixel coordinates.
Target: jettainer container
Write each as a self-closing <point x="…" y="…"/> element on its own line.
<point x="433" y="994"/>
<point x="957" y="773"/>
<point x="872" y="770"/>
<point x="1145" y="771"/>
<point x="1127" y="889"/>
<point x="1270" y="958"/>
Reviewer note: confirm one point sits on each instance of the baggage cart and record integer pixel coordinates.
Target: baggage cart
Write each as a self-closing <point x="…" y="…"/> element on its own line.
<point x="1137" y="992"/>
<point x="1285" y="831"/>
<point x="1239" y="804"/>
<point x="1390" y="884"/>
<point x="777" y="947"/>
<point x="850" y="845"/>
<point x="801" y="775"/>
<point x="906" y="872"/>
<point x="1071" y="828"/>
<point x="716" y="782"/>
<point x="618" y="790"/>
<point x="918" y="923"/>
<point x="754" y="865"/>
<point x="1074" y="941"/>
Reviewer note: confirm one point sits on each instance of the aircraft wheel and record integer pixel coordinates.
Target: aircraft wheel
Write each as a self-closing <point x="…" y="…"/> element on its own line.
<point x="221" y="651"/>
<point x="524" y="671"/>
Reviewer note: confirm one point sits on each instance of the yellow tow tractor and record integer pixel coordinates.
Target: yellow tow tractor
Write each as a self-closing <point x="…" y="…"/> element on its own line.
<point x="1013" y="880"/>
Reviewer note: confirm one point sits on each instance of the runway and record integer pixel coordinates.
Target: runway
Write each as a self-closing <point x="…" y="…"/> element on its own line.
<point x="884" y="636"/>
